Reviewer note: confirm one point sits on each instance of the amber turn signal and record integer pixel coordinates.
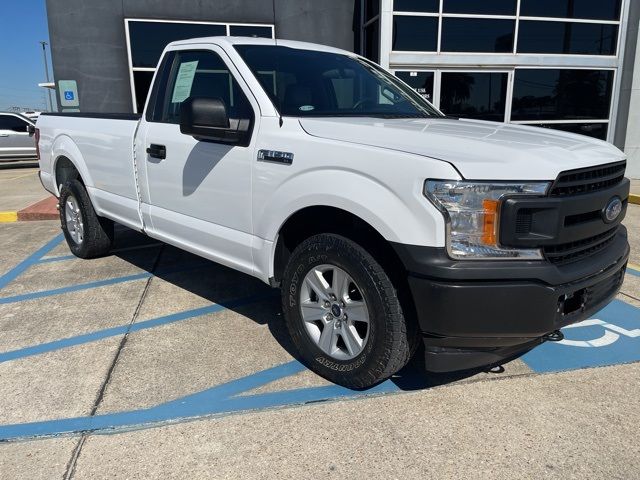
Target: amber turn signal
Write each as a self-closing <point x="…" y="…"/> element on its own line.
<point x="489" y="222"/>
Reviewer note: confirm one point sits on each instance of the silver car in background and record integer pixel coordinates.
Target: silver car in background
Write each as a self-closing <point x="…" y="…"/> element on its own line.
<point x="16" y="143"/>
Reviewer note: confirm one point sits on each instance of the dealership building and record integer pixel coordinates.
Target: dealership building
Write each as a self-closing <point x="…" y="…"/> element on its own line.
<point x="561" y="64"/>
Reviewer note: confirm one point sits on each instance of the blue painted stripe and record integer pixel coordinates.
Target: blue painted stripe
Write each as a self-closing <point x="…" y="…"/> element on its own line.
<point x="30" y="260"/>
<point x="180" y="408"/>
<point x="106" y="333"/>
<point x="633" y="272"/>
<point x="63" y="258"/>
<point x="218" y="400"/>
<point x="73" y="288"/>
<point x="122" y="329"/>
<point x="99" y="283"/>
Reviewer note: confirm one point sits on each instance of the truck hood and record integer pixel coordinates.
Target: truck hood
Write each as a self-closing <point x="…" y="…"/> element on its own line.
<point x="479" y="150"/>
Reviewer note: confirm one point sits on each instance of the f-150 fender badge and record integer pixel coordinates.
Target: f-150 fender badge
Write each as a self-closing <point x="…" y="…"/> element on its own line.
<point x="275" y="156"/>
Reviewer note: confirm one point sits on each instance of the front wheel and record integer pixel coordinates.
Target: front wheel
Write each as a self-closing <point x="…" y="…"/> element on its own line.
<point x="343" y="312"/>
<point x="87" y="234"/>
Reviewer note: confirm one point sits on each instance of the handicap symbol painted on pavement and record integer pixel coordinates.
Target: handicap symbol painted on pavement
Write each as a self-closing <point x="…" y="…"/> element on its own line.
<point x="68" y="95"/>
<point x="611" y="337"/>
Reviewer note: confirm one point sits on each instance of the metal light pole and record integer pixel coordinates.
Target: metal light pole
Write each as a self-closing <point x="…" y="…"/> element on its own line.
<point x="46" y="71"/>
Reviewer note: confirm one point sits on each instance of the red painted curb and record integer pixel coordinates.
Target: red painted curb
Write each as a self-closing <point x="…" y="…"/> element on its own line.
<point x="42" y="210"/>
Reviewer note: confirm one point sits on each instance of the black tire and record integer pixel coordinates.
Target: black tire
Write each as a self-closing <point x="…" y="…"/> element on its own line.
<point x="389" y="345"/>
<point x="97" y="231"/>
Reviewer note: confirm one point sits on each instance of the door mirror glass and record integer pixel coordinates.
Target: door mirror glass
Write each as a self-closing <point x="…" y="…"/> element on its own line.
<point x="206" y="119"/>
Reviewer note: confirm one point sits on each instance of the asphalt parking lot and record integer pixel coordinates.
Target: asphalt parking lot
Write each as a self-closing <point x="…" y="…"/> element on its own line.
<point x="153" y="362"/>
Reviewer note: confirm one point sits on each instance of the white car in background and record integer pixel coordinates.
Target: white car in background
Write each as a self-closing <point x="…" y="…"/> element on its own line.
<point x="16" y="143"/>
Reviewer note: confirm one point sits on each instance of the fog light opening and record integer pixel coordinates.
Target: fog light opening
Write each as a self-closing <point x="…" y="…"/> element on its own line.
<point x="574" y="302"/>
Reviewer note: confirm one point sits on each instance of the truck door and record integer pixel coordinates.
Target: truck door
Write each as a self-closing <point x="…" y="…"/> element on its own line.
<point x="198" y="193"/>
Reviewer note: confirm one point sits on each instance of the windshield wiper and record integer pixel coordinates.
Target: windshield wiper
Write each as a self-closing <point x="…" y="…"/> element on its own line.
<point x="399" y="115"/>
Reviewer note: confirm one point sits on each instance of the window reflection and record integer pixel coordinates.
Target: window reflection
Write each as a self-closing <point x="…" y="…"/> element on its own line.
<point x="415" y="33"/>
<point x="587" y="9"/>
<point x="567" y="38"/>
<point x="595" y="130"/>
<point x="479" y="95"/>
<point x="551" y="94"/>
<point x="421" y="82"/>
<point x="432" y="6"/>
<point x="249" y="31"/>
<point x="477" y="35"/>
<point x="148" y="39"/>
<point x="493" y="7"/>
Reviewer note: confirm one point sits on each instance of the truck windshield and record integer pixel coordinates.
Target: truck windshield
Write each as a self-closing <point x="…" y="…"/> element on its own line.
<point x="309" y="83"/>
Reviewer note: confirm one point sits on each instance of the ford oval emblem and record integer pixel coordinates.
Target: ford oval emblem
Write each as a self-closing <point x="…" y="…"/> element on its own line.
<point x="612" y="210"/>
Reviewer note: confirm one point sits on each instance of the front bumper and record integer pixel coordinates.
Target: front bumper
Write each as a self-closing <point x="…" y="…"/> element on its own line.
<point x="473" y="314"/>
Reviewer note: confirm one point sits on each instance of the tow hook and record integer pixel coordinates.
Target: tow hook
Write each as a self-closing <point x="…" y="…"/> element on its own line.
<point x="556" y="336"/>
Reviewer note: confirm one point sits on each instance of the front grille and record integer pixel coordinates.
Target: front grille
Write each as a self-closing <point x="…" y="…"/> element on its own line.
<point x="587" y="180"/>
<point x="573" y="251"/>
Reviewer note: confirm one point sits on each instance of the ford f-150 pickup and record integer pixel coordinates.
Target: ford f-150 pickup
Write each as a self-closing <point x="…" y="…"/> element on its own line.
<point x="385" y="223"/>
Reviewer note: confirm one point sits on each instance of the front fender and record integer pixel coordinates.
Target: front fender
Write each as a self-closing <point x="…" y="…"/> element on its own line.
<point x="404" y="217"/>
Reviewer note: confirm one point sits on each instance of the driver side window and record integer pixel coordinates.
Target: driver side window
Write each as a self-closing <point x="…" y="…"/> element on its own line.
<point x="200" y="74"/>
<point x="13" y="124"/>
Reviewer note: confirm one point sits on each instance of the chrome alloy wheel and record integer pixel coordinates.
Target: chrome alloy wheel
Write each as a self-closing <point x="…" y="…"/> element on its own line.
<point x="73" y="219"/>
<point x="334" y="312"/>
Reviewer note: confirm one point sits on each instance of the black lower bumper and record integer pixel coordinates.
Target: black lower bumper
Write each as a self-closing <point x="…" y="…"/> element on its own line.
<point x="473" y="314"/>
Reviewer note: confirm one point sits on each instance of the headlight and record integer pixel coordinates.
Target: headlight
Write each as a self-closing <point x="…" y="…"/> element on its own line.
<point x="471" y="211"/>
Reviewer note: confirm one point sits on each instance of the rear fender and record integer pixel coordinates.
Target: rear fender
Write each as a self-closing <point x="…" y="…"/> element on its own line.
<point x="65" y="147"/>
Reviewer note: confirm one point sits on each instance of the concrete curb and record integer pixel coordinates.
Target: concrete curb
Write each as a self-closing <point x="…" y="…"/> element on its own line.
<point x="43" y="210"/>
<point x="634" y="198"/>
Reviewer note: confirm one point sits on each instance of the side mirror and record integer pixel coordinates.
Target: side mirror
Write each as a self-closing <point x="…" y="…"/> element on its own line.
<point x="31" y="130"/>
<point x="206" y="119"/>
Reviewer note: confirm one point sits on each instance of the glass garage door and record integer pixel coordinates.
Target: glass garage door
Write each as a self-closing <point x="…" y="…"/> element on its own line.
<point x="575" y="100"/>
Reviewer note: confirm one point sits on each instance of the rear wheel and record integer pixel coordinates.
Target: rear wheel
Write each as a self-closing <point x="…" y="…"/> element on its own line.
<point x="87" y="235"/>
<point x="343" y="312"/>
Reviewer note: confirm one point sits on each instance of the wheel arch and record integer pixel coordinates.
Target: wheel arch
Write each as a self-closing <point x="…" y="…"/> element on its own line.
<point x="68" y="163"/>
<point x="313" y="220"/>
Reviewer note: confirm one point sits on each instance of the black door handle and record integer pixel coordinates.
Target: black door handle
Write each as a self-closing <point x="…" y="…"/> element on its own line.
<point x="157" y="151"/>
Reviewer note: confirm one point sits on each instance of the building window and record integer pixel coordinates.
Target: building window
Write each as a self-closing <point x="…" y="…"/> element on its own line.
<point x="554" y="94"/>
<point x="415" y="33"/>
<point x="250" y="31"/>
<point x="421" y="82"/>
<point x="372" y="41"/>
<point x="567" y="38"/>
<point x="146" y="39"/>
<point x="562" y="27"/>
<point x="477" y="35"/>
<point x="480" y="95"/>
<point x="371" y="9"/>
<point x="493" y="7"/>
<point x="595" y="130"/>
<point x="432" y="6"/>
<point x="585" y="9"/>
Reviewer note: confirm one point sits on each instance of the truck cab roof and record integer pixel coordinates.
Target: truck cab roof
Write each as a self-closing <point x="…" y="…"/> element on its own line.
<point x="226" y="41"/>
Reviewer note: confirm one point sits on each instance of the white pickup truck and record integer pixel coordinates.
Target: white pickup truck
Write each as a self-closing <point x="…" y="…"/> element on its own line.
<point x="385" y="223"/>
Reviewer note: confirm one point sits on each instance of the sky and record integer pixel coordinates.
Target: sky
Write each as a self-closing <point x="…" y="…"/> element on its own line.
<point x="23" y="23"/>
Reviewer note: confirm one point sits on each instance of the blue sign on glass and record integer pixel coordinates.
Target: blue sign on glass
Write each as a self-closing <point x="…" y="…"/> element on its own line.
<point x="68" y="95"/>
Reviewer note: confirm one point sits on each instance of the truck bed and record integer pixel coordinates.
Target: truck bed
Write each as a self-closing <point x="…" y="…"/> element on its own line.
<point x="101" y="144"/>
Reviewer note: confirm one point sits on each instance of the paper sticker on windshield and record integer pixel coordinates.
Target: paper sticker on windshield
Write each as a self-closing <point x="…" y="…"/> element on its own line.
<point x="184" y="81"/>
<point x="306" y="108"/>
